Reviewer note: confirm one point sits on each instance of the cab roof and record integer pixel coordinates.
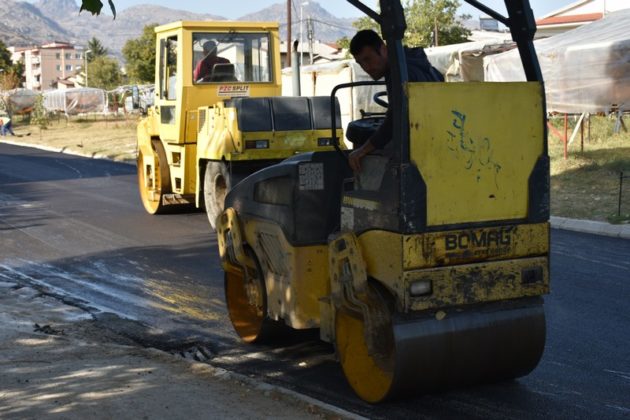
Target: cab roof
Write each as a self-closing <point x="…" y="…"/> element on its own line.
<point x="218" y="25"/>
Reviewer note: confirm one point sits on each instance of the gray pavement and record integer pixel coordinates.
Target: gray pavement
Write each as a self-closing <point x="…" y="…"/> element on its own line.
<point x="57" y="363"/>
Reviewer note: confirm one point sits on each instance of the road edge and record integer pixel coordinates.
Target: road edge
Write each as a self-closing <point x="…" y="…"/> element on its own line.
<point x="590" y="226"/>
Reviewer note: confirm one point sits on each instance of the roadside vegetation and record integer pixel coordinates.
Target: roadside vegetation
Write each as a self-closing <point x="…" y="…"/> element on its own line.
<point x="584" y="186"/>
<point x="112" y="137"/>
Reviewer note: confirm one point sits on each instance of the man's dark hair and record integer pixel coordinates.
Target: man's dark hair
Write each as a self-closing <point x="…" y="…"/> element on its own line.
<point x="365" y="38"/>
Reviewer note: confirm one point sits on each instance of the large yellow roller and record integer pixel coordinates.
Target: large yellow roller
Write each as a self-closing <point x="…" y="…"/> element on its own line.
<point x="427" y="269"/>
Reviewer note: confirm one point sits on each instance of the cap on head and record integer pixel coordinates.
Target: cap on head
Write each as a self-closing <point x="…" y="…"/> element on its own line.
<point x="209" y="46"/>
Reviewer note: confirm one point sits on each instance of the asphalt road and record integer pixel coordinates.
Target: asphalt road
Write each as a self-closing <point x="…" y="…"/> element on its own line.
<point x="75" y="228"/>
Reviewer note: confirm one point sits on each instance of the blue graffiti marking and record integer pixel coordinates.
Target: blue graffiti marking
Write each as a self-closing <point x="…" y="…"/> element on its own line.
<point x="476" y="154"/>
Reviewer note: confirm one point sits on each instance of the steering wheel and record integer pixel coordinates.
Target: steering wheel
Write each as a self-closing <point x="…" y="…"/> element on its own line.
<point x="377" y="97"/>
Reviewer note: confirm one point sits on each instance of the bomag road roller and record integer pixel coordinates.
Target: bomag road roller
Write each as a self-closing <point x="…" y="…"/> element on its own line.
<point x="218" y="114"/>
<point x="427" y="269"/>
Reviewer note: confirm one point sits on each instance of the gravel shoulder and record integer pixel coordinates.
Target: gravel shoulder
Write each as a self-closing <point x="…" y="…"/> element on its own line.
<point x="57" y="363"/>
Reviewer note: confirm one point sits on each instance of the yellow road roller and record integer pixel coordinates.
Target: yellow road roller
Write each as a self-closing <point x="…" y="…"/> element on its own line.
<point x="427" y="269"/>
<point x="218" y="114"/>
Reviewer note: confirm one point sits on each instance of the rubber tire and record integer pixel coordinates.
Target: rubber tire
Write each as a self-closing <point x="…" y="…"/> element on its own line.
<point x="218" y="175"/>
<point x="153" y="206"/>
<point x="217" y="181"/>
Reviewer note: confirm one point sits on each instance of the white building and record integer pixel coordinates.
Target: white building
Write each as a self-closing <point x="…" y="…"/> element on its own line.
<point x="576" y="14"/>
<point x="45" y="65"/>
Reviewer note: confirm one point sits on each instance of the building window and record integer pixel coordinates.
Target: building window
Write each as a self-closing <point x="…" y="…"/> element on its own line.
<point x="68" y="67"/>
<point x="58" y="56"/>
<point x="68" y="56"/>
<point x="77" y="56"/>
<point x="58" y="67"/>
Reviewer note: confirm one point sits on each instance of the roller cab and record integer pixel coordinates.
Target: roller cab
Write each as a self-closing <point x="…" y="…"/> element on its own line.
<point x="427" y="269"/>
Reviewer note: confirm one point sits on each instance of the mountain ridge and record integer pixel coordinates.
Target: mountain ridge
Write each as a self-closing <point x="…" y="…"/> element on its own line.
<point x="59" y="20"/>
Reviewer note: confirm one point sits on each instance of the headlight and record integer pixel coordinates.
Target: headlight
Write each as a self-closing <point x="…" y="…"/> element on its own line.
<point x="324" y="141"/>
<point x="257" y="144"/>
<point x="420" y="288"/>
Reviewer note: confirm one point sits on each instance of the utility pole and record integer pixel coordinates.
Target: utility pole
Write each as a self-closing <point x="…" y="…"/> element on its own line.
<point x="435" y="32"/>
<point x="288" y="34"/>
<point x="309" y="35"/>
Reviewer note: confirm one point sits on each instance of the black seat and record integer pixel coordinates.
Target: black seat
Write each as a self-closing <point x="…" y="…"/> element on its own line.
<point x="223" y="72"/>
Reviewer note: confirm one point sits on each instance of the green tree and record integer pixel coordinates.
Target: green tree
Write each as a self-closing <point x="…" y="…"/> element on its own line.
<point x="5" y="57"/>
<point x="139" y="55"/>
<point x="95" y="6"/>
<point x="105" y="73"/>
<point x="428" y="18"/>
<point x="11" y="74"/>
<point x="96" y="49"/>
<point x="424" y="19"/>
<point x="40" y="116"/>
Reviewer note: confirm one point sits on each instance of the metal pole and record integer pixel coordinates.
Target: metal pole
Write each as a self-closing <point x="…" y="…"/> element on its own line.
<point x="288" y="64"/>
<point x="301" y="18"/>
<point x="295" y="70"/>
<point x="85" y="54"/>
<point x="566" y="134"/>
<point x="620" y="189"/>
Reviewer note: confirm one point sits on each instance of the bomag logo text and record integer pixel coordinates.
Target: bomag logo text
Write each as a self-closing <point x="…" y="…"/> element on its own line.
<point x="482" y="239"/>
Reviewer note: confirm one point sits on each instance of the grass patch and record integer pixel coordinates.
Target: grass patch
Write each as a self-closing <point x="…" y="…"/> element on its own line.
<point x="113" y="138"/>
<point x="586" y="184"/>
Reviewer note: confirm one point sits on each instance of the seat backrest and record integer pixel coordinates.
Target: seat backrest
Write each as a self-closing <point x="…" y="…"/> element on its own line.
<point x="223" y="72"/>
<point x="291" y="113"/>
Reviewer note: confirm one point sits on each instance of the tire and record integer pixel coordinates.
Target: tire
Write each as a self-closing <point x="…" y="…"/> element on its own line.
<point x="217" y="182"/>
<point x="153" y="188"/>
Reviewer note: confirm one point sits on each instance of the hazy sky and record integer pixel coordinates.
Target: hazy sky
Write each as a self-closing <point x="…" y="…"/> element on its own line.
<point x="339" y="8"/>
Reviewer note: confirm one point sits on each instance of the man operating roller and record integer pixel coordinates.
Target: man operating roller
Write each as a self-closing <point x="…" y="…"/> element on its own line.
<point x="370" y="52"/>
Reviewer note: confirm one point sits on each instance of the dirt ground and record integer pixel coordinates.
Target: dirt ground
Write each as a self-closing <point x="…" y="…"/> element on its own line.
<point x="56" y="363"/>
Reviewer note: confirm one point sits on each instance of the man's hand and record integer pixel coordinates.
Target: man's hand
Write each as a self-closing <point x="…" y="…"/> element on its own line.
<point x="355" y="157"/>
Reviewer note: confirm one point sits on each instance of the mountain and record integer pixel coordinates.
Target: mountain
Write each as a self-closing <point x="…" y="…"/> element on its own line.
<point x="57" y="9"/>
<point x="326" y="27"/>
<point x="113" y="33"/>
<point x="23" y="24"/>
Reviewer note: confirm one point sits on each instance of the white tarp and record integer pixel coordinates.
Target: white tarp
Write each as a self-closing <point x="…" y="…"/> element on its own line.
<point x="585" y="70"/>
<point x="76" y="101"/>
<point x="19" y="101"/>
<point x="464" y="62"/>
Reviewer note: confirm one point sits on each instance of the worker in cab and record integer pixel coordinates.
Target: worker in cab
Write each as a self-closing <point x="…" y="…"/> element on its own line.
<point x="370" y="52"/>
<point x="203" y="69"/>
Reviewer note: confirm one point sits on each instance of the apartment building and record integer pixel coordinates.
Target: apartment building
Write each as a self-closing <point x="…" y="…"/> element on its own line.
<point x="45" y="65"/>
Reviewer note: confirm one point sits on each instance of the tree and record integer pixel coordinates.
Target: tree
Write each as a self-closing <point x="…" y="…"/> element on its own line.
<point x="105" y="73"/>
<point x="95" y="6"/>
<point x="11" y="74"/>
<point x="5" y="57"/>
<point x="423" y="18"/>
<point x="40" y="116"/>
<point x="139" y="55"/>
<point x="96" y="49"/>
<point x="428" y="18"/>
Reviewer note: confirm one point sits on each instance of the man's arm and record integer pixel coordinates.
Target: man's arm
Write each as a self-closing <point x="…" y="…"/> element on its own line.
<point x="378" y="140"/>
<point x="197" y="71"/>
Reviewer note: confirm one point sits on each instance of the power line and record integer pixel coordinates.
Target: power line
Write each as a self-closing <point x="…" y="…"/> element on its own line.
<point x="333" y="25"/>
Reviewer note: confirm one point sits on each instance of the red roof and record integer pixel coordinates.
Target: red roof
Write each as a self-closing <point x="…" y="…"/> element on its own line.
<point x="556" y="20"/>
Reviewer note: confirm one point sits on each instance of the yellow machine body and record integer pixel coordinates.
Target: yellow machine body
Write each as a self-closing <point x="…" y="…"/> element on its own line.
<point x="389" y="299"/>
<point x="196" y="122"/>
